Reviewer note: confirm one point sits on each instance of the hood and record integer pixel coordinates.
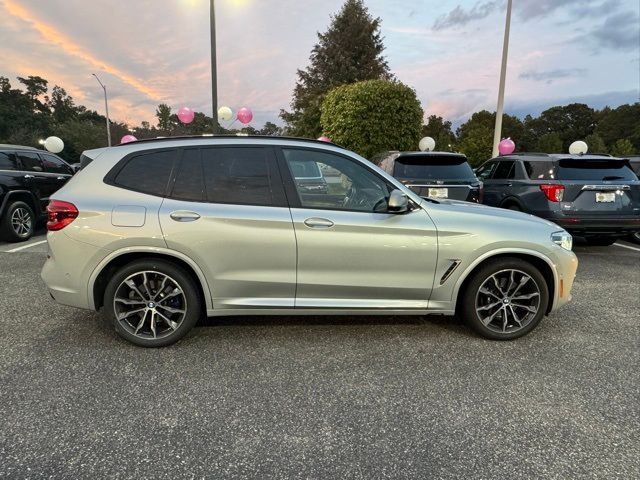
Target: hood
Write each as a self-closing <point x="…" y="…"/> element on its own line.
<point x="493" y="212"/>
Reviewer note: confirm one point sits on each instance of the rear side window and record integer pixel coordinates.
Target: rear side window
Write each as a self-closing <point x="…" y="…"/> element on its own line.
<point x="147" y="172"/>
<point x="189" y="184"/>
<point x="539" y="170"/>
<point x="8" y="161"/>
<point x="433" y="167"/>
<point x="53" y="164"/>
<point x="30" y="162"/>
<point x="587" y="169"/>
<point x="240" y="175"/>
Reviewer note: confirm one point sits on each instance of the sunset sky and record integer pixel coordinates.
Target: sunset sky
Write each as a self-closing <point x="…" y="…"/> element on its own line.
<point x="153" y="51"/>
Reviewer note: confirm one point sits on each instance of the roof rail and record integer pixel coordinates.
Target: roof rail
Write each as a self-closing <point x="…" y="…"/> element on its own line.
<point x="235" y="137"/>
<point x="532" y="154"/>
<point x="22" y="147"/>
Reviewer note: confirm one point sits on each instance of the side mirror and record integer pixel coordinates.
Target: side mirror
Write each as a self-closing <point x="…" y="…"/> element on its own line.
<point x="398" y="202"/>
<point x="75" y="167"/>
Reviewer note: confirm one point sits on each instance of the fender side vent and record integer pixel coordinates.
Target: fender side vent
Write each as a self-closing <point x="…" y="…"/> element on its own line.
<point x="450" y="270"/>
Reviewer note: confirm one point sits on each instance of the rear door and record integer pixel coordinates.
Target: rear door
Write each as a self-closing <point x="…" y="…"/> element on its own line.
<point x="227" y="211"/>
<point x="57" y="168"/>
<point x="598" y="187"/>
<point x="42" y="184"/>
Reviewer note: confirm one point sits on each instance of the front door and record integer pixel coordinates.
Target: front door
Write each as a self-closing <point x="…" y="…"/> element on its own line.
<point x="353" y="253"/>
<point x="42" y="184"/>
<point x="227" y="211"/>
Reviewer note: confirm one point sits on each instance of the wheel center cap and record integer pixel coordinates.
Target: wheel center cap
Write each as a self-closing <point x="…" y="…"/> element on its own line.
<point x="151" y="305"/>
<point x="506" y="301"/>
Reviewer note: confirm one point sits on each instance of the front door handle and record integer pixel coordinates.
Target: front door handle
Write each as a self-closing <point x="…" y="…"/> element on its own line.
<point x="316" y="222"/>
<point x="28" y="176"/>
<point x="61" y="178"/>
<point x="184" y="216"/>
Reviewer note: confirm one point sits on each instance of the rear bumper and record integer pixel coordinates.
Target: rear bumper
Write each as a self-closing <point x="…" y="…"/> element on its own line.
<point x="601" y="226"/>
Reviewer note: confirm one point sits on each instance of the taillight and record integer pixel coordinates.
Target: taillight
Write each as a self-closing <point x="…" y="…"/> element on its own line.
<point x="60" y="214"/>
<point x="555" y="193"/>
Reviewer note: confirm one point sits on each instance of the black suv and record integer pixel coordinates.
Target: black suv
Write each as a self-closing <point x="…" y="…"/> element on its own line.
<point x="28" y="177"/>
<point x="593" y="196"/>
<point x="433" y="174"/>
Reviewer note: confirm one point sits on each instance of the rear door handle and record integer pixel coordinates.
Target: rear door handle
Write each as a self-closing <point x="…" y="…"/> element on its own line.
<point x="316" y="222"/>
<point x="61" y="178"/>
<point x="184" y="216"/>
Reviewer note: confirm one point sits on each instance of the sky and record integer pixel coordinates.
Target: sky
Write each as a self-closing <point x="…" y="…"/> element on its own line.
<point x="157" y="51"/>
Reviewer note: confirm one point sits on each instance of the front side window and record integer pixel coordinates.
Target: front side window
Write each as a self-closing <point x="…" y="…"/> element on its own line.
<point x="8" y="161"/>
<point x="30" y="162"/>
<point x="53" y="164"/>
<point x="504" y="170"/>
<point x="147" y="172"/>
<point x="240" y="175"/>
<point x="350" y="186"/>
<point x="485" y="171"/>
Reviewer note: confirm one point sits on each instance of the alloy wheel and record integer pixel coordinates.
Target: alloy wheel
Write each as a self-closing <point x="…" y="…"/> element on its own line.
<point x="507" y="301"/>
<point x="150" y="304"/>
<point x="21" y="222"/>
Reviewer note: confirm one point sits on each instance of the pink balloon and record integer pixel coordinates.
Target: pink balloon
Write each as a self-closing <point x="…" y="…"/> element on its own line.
<point x="506" y="146"/>
<point x="185" y="115"/>
<point x="245" y="115"/>
<point x="324" y="139"/>
<point x="127" y="139"/>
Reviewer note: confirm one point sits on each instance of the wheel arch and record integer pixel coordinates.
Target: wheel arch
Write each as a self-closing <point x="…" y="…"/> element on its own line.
<point x="23" y="196"/>
<point x="540" y="261"/>
<point x="511" y="200"/>
<point x="101" y="274"/>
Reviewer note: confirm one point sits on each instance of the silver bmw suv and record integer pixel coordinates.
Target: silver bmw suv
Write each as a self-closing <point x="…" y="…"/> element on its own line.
<point x="158" y="233"/>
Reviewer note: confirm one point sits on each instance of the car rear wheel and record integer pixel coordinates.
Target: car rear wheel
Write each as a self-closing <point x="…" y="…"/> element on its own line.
<point x="505" y="299"/>
<point x="152" y="303"/>
<point x="18" y="222"/>
<point x="600" y="241"/>
<point x="635" y="237"/>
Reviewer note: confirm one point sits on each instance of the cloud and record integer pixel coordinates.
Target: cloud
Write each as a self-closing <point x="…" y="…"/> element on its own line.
<point x="620" y="32"/>
<point x="459" y="16"/>
<point x="549" y="76"/>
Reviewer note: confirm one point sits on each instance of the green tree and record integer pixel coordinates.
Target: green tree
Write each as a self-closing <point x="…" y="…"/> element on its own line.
<point x="595" y="143"/>
<point x="36" y="88"/>
<point x="571" y="122"/>
<point x="440" y="130"/>
<point x="549" y="143"/>
<point x="475" y="136"/>
<point x="270" y="128"/>
<point x="372" y="116"/>
<point x="622" y="148"/>
<point x="619" y="123"/>
<point x="62" y="106"/>
<point x="163" y="113"/>
<point x="348" y="52"/>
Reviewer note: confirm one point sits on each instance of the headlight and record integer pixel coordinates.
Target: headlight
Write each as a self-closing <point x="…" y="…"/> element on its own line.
<point x="563" y="239"/>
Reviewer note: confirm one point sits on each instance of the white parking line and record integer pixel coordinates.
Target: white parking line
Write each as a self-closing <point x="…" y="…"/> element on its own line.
<point x="627" y="246"/>
<point x="24" y="247"/>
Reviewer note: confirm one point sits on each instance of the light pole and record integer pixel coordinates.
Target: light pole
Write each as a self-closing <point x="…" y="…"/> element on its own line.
<point x="106" y="107"/>
<point x="214" y="67"/>
<point x="497" y="133"/>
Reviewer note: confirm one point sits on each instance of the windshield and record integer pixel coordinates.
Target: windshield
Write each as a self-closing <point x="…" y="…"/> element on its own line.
<point x="572" y="169"/>
<point x="430" y="167"/>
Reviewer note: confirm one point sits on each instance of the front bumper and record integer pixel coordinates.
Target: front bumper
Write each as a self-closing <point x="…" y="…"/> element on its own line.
<point x="566" y="266"/>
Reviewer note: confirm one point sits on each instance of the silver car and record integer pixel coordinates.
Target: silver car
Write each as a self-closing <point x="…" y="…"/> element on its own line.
<point x="159" y="233"/>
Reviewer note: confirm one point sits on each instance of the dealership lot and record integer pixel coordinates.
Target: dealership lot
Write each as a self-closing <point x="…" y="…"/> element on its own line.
<point x="323" y="397"/>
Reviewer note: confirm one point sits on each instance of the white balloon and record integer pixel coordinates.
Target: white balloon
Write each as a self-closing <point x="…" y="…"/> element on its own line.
<point x="54" y="144"/>
<point x="427" y="144"/>
<point x="225" y="114"/>
<point x="578" y="147"/>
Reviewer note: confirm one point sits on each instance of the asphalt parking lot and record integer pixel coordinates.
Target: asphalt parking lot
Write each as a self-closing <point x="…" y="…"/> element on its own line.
<point x="346" y="397"/>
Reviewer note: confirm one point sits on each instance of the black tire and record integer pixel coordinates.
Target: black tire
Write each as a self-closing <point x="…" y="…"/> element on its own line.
<point x="467" y="307"/>
<point x="600" y="241"/>
<point x="514" y="207"/>
<point x="634" y="237"/>
<point x="192" y="302"/>
<point x="11" y="231"/>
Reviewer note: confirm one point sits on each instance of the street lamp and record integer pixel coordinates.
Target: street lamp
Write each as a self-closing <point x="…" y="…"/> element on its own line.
<point x="497" y="133"/>
<point x="214" y="69"/>
<point x="106" y="107"/>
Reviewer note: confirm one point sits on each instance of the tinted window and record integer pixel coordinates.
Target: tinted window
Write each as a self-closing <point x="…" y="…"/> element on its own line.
<point x="30" y="162"/>
<point x="8" y="161"/>
<point x="147" y="173"/>
<point x="485" y="171"/>
<point x="189" y="184"/>
<point x="539" y="170"/>
<point x="351" y="186"/>
<point x="575" y="169"/>
<point x="504" y="170"/>
<point x="53" y="164"/>
<point x="238" y="175"/>
<point x="431" y="167"/>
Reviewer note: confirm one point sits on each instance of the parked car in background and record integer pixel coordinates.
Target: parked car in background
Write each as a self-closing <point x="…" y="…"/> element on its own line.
<point x="308" y="178"/>
<point x="28" y="178"/>
<point x="635" y="165"/>
<point x="593" y="196"/>
<point x="434" y="174"/>
<point x="161" y="232"/>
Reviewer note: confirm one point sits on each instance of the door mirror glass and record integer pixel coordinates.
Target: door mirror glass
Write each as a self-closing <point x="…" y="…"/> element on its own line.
<point x="398" y="202"/>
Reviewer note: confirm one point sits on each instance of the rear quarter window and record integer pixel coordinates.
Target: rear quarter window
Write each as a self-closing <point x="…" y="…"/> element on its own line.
<point x="146" y="172"/>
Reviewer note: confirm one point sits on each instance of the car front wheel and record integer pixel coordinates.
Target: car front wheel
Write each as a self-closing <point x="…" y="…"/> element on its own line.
<point x="152" y="303"/>
<point x="505" y="299"/>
